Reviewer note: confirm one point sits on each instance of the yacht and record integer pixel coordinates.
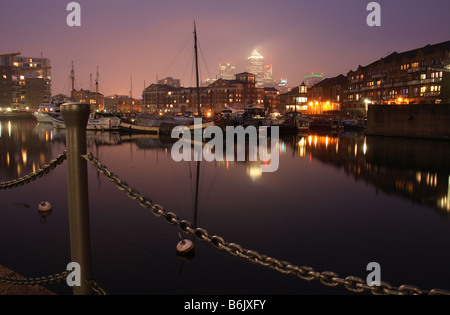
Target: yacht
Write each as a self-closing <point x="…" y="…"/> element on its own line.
<point x="47" y="110"/>
<point x="96" y="122"/>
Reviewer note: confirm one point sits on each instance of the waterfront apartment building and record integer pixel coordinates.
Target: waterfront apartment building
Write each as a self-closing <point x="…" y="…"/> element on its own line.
<point x="170" y="81"/>
<point x="122" y="103"/>
<point x="327" y="95"/>
<point x="215" y="97"/>
<point x="25" y="82"/>
<point x="156" y="98"/>
<point x="237" y="93"/>
<point x="32" y="81"/>
<point x="296" y="100"/>
<point x="411" y="77"/>
<point x="97" y="100"/>
<point x="6" y="83"/>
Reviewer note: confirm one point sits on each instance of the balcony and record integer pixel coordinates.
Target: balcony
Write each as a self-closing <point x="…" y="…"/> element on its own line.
<point x="426" y="81"/>
<point x="432" y="94"/>
<point x="417" y="69"/>
<point x="356" y="80"/>
<point x="379" y="75"/>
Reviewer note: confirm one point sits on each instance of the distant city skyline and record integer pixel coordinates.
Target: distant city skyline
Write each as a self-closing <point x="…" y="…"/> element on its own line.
<point x="146" y="40"/>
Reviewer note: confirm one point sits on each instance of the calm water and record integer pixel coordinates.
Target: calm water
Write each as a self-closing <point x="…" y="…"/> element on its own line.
<point x="336" y="203"/>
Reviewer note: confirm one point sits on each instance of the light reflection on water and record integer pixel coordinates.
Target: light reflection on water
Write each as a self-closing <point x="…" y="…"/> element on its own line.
<point x="336" y="203"/>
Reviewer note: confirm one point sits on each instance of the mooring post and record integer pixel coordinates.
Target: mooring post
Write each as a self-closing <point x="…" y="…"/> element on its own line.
<point x="76" y="116"/>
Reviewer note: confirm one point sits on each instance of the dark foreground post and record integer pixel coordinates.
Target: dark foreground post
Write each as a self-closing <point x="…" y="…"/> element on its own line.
<point x="76" y="117"/>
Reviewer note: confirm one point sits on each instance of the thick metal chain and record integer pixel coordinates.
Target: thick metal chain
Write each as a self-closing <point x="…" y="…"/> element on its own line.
<point x="327" y="278"/>
<point x="36" y="281"/>
<point x="35" y="175"/>
<point x="50" y="280"/>
<point x="96" y="288"/>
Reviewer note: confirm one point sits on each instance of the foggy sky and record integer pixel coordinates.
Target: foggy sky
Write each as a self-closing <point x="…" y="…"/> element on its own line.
<point x="145" y="39"/>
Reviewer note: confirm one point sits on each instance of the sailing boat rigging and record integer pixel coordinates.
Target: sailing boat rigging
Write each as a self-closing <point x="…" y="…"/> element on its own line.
<point x="186" y="247"/>
<point x="95" y="122"/>
<point x="163" y="125"/>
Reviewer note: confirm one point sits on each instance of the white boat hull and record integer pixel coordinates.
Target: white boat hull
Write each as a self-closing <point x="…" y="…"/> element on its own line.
<point x="101" y="124"/>
<point x="42" y="117"/>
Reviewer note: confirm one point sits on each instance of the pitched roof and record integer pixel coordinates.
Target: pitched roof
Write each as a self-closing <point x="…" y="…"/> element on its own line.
<point x="395" y="56"/>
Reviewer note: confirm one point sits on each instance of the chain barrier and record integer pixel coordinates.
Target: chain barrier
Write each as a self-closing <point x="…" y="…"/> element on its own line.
<point x="44" y="170"/>
<point x="50" y="280"/>
<point x="35" y="175"/>
<point x="96" y="288"/>
<point x="36" y="281"/>
<point x="327" y="278"/>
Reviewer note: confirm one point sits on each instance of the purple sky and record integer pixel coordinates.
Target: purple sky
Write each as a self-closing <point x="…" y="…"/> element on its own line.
<point x="142" y="38"/>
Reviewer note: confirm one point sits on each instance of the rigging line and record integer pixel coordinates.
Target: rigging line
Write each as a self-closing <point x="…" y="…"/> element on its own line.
<point x="66" y="84"/>
<point x="187" y="64"/>
<point x="106" y="86"/>
<point x="167" y="70"/>
<point x="204" y="60"/>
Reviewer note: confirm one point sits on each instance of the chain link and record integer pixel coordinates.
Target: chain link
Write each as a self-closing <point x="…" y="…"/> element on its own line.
<point x="35" y="175"/>
<point x="327" y="278"/>
<point x="96" y="288"/>
<point x="36" y="281"/>
<point x="50" y="280"/>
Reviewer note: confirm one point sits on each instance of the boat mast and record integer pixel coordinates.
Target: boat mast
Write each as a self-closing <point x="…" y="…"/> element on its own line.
<point x="96" y="92"/>
<point x="72" y="77"/>
<point x="196" y="70"/>
<point x="199" y="115"/>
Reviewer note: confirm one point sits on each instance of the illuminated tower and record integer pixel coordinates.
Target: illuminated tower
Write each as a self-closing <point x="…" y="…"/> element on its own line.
<point x="256" y="65"/>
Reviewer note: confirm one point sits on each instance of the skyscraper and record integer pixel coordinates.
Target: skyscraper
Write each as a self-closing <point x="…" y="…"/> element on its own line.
<point x="227" y="71"/>
<point x="256" y="65"/>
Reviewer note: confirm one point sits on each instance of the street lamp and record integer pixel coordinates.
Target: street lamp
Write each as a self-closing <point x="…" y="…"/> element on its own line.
<point x="367" y="102"/>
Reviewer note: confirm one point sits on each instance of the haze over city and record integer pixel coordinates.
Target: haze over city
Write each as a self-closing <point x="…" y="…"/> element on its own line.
<point x="146" y="39"/>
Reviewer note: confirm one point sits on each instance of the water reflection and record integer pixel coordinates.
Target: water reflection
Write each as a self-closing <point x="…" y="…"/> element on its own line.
<point x="22" y="151"/>
<point x="414" y="169"/>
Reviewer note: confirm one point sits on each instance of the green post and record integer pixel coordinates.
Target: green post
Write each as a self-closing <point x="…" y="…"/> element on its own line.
<point x="76" y="116"/>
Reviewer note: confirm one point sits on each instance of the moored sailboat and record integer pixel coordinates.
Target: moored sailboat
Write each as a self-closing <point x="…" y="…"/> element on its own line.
<point x="157" y="124"/>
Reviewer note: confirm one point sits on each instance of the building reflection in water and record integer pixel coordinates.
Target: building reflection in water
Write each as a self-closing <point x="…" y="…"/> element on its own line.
<point x="414" y="169"/>
<point x="22" y="150"/>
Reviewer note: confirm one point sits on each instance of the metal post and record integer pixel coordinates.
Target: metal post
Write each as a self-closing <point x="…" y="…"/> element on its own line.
<point x="76" y="117"/>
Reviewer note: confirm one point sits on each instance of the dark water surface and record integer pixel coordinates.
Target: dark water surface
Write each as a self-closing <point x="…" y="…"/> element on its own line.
<point x="336" y="203"/>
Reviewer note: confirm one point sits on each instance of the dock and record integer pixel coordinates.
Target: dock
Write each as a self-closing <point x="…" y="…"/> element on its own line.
<point x="14" y="289"/>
